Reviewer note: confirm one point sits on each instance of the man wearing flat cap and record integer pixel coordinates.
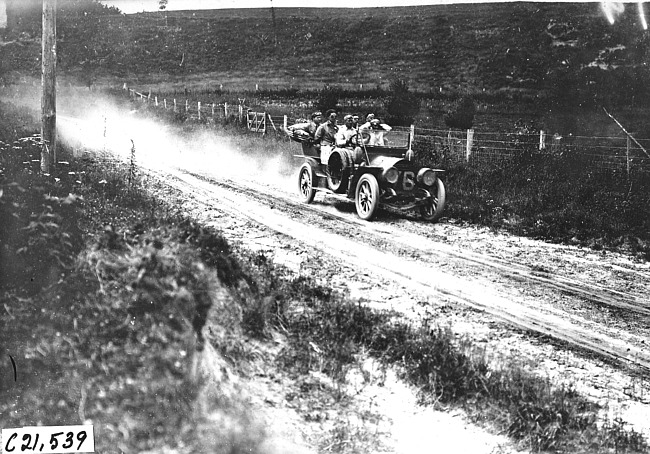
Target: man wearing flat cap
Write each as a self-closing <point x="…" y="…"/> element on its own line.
<point x="346" y="132"/>
<point x="297" y="131"/>
<point x="326" y="135"/>
<point x="375" y="129"/>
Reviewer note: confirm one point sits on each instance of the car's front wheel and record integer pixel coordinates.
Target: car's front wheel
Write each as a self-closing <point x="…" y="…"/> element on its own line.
<point x="367" y="196"/>
<point x="433" y="209"/>
<point x="306" y="183"/>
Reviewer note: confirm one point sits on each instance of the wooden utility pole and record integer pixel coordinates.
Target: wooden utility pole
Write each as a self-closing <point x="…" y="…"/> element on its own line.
<point x="48" y="100"/>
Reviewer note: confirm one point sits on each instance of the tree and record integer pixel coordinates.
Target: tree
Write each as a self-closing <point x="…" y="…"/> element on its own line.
<point x="328" y="98"/>
<point x="460" y="115"/>
<point x="402" y="105"/>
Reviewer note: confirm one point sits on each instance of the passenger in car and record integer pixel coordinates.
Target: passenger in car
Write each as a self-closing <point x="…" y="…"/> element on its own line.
<point x="298" y="130"/>
<point x="375" y="129"/>
<point x="355" y="121"/>
<point x="326" y="135"/>
<point x="346" y="132"/>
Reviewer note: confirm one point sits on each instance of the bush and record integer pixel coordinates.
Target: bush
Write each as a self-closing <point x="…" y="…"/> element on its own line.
<point x="328" y="98"/>
<point x="460" y="114"/>
<point x="402" y="105"/>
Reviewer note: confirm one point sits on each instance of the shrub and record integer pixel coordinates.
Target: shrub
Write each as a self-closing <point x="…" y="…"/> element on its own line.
<point x="402" y="105"/>
<point x="460" y="115"/>
<point x="328" y="98"/>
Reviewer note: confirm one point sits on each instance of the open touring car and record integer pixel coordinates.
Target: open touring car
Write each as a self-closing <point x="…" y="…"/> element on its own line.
<point x="372" y="176"/>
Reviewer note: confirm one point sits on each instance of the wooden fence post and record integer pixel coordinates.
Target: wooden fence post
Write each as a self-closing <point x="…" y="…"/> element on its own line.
<point x="199" y="109"/>
<point x="411" y="137"/>
<point x="156" y="101"/>
<point x="542" y="140"/>
<point x="213" y="111"/>
<point x="175" y="108"/>
<point x="241" y="114"/>
<point x="555" y="147"/>
<point x="285" y="122"/>
<point x="165" y="103"/>
<point x="225" y="109"/>
<point x="470" y="144"/>
<point x="187" y="105"/>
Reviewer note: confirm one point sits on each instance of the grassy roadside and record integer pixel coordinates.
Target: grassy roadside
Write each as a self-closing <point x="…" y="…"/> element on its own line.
<point x="124" y="314"/>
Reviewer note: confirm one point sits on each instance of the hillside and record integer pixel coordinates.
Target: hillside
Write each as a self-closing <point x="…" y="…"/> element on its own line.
<point x="567" y="51"/>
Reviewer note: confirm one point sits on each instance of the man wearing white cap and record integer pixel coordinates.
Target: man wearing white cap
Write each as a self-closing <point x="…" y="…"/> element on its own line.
<point x="375" y="129"/>
<point x="346" y="132"/>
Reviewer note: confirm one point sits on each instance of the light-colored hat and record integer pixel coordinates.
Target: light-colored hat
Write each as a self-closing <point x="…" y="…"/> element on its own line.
<point x="370" y="117"/>
<point x="347" y="117"/>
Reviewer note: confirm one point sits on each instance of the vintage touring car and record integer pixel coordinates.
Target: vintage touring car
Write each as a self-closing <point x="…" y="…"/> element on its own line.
<point x="372" y="176"/>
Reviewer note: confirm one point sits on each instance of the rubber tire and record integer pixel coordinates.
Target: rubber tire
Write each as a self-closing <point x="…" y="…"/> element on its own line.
<point x="340" y="185"/>
<point x="366" y="197"/>
<point x="306" y="189"/>
<point x="433" y="211"/>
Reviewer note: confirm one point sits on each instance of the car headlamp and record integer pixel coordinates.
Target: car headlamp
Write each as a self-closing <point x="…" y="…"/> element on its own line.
<point x="391" y="175"/>
<point x="426" y="177"/>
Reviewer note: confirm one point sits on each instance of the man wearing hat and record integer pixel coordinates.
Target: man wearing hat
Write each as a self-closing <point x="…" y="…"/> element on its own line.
<point x="375" y="129"/>
<point x="346" y="132"/>
<point x="303" y="131"/>
<point x="326" y="135"/>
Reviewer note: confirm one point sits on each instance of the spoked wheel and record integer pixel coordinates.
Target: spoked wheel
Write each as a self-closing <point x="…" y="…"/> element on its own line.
<point x="306" y="184"/>
<point x="433" y="209"/>
<point x="367" y="196"/>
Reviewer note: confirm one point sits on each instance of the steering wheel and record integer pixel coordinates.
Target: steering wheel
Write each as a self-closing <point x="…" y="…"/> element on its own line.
<point x="354" y="140"/>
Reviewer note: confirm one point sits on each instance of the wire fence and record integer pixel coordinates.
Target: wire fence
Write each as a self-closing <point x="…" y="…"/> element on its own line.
<point x="615" y="153"/>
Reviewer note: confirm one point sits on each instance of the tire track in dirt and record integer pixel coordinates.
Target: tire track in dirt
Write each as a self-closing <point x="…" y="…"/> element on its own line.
<point x="242" y="201"/>
<point x="591" y="292"/>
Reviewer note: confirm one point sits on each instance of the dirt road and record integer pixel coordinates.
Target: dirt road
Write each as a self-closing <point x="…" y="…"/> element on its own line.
<point x="573" y="314"/>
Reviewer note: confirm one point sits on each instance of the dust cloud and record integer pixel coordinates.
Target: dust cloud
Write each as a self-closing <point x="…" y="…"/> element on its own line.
<point x="114" y="128"/>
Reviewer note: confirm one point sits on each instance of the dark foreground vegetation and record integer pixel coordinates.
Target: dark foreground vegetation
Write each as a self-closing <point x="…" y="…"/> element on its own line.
<point x="121" y="313"/>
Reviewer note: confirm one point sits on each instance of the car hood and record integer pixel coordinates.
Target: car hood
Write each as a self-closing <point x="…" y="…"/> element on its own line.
<point x="386" y="162"/>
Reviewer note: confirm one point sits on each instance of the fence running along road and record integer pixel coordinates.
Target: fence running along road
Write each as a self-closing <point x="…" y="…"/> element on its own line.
<point x="616" y="153"/>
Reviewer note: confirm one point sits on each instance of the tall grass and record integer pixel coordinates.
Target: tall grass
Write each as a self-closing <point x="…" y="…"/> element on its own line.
<point x="532" y="410"/>
<point x="561" y="198"/>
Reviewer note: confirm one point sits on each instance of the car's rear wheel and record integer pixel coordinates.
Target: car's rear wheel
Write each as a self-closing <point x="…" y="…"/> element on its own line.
<point x="306" y="183"/>
<point x="434" y="207"/>
<point x="367" y="196"/>
<point x="338" y="169"/>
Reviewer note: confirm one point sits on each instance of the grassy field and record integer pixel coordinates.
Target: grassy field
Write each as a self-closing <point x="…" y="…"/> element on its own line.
<point x="508" y="49"/>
